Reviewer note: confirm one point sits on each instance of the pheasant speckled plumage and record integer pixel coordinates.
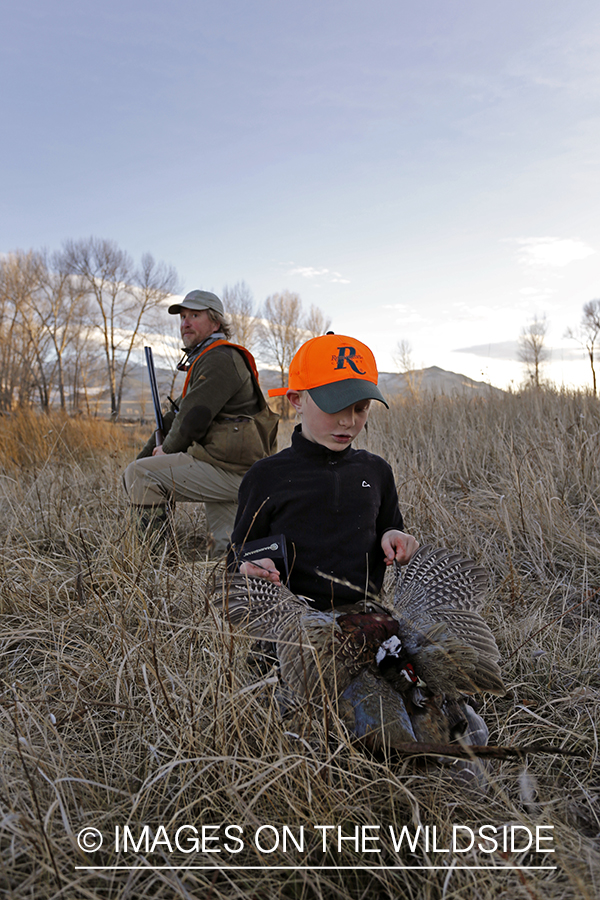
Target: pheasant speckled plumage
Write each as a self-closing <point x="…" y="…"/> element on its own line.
<point x="315" y="649"/>
<point x="376" y="662"/>
<point x="451" y="646"/>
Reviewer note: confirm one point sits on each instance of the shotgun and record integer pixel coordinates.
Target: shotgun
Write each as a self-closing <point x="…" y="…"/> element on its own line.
<point x="160" y="428"/>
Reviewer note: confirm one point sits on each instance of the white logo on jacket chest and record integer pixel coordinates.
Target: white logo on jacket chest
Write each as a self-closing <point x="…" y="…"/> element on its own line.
<point x="366" y="484"/>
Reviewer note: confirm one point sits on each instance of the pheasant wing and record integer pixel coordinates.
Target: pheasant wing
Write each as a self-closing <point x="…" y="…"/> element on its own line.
<point x="308" y="651"/>
<point x="262" y="608"/>
<point x="436" y="578"/>
<point x="305" y="638"/>
<point x="451" y="665"/>
<point x="441" y="588"/>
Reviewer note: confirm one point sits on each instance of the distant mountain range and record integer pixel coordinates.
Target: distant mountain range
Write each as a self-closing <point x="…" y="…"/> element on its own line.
<point x="137" y="402"/>
<point x="435" y="381"/>
<point x="432" y="380"/>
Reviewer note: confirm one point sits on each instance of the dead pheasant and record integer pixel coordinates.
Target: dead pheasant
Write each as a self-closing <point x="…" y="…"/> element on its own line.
<point x="400" y="670"/>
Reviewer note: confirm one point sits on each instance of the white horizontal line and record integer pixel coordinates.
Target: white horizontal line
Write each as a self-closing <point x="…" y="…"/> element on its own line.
<point x="308" y="868"/>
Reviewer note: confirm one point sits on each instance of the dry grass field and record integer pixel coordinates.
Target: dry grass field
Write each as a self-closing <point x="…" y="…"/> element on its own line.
<point x="126" y="707"/>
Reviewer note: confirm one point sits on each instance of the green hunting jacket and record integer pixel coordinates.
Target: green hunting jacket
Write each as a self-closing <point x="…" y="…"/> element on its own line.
<point x="223" y="418"/>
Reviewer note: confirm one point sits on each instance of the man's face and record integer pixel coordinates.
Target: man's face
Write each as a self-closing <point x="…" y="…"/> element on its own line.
<point x="336" y="431"/>
<point x="195" y="326"/>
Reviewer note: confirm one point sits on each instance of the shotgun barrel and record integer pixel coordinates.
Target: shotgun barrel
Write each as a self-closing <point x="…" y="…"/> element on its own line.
<point x="160" y="428"/>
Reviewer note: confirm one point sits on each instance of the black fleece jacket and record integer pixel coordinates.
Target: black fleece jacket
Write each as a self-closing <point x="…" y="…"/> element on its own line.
<point x="333" y="508"/>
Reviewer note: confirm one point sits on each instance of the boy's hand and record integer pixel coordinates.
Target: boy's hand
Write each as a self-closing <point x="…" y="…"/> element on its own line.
<point x="398" y="547"/>
<point x="261" y="568"/>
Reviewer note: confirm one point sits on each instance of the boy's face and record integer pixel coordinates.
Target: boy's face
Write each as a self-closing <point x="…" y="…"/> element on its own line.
<point x="332" y="430"/>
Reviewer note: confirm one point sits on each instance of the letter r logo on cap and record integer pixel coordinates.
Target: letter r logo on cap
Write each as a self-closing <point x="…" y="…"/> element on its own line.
<point x="346" y="355"/>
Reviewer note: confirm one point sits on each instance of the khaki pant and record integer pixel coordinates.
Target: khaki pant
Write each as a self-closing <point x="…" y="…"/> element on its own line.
<point x="155" y="480"/>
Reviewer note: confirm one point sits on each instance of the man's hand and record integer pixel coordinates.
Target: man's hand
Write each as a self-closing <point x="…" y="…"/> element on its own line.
<point x="158" y="451"/>
<point x="398" y="547"/>
<point x="261" y="568"/>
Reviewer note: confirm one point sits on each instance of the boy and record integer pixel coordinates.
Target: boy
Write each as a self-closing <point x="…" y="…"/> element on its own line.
<point x="336" y="506"/>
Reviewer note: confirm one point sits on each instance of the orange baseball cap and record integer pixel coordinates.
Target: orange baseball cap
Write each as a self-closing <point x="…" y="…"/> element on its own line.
<point x="336" y="370"/>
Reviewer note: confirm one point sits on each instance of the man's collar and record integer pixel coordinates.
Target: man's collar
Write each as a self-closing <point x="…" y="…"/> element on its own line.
<point x="189" y="355"/>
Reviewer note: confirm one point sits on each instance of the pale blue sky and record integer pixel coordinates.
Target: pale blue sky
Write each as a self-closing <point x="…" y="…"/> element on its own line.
<point x="426" y="171"/>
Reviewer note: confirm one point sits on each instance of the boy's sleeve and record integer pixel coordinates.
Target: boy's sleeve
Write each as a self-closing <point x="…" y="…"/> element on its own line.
<point x="389" y="516"/>
<point x="253" y="519"/>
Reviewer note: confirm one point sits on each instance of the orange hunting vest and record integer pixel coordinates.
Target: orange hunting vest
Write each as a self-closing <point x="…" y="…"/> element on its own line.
<point x="250" y="361"/>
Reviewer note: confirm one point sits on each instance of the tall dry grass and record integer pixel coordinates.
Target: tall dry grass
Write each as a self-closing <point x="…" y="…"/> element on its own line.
<point x="124" y="702"/>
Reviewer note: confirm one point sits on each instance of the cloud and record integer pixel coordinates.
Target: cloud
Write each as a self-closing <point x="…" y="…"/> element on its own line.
<point x="536" y="292"/>
<point x="309" y="272"/>
<point x="407" y="315"/>
<point x="338" y="278"/>
<point x="327" y="274"/>
<point x="552" y="251"/>
<point x="509" y="350"/>
<point x="498" y="350"/>
<point x="462" y="311"/>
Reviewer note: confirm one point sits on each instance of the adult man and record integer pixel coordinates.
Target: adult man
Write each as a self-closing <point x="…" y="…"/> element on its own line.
<point x="221" y="427"/>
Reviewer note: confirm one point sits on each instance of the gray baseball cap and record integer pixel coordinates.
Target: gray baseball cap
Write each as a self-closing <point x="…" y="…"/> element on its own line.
<point x="198" y="300"/>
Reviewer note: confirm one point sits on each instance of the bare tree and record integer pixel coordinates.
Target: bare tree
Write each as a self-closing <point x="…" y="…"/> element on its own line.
<point x="82" y="370"/>
<point x="587" y="334"/>
<point x="402" y="356"/>
<point x="281" y="332"/>
<point x="171" y="351"/>
<point x="152" y="283"/>
<point x="10" y="361"/>
<point x="107" y="272"/>
<point x="240" y="309"/>
<point x="532" y="351"/>
<point x="316" y="322"/>
<point x="54" y="313"/>
<point x="284" y="327"/>
<point x="23" y="362"/>
<point x="125" y="298"/>
<point x="9" y="357"/>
